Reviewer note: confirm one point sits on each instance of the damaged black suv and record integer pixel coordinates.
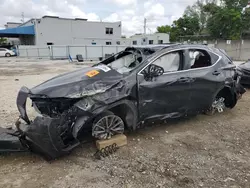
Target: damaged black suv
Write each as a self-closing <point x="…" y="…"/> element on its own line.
<point x="134" y="87"/>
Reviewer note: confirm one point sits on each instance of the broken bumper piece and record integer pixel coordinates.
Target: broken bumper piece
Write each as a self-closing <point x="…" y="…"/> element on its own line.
<point x="41" y="137"/>
<point x="10" y="142"/>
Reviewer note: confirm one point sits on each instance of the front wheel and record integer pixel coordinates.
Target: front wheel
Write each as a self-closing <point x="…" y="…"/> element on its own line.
<point x="106" y="125"/>
<point x="7" y="55"/>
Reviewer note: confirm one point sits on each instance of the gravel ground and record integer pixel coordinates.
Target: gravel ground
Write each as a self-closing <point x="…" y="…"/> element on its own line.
<point x="202" y="151"/>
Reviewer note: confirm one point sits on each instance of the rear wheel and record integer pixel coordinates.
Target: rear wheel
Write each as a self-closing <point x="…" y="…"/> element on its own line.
<point x="217" y="106"/>
<point x="107" y="125"/>
<point x="7" y="55"/>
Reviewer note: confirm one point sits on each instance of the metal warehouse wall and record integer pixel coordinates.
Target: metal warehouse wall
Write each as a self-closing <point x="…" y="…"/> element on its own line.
<point x="69" y="31"/>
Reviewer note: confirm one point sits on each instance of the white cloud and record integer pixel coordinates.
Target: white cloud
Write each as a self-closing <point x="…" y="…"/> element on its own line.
<point x="155" y="10"/>
<point x="147" y="4"/>
<point x="124" y="2"/>
<point x="77" y="12"/>
<point x="130" y="12"/>
<point x="114" y="17"/>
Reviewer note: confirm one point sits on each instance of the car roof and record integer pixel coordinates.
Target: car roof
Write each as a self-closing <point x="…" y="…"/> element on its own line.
<point x="170" y="46"/>
<point x="175" y="46"/>
<point x="155" y="47"/>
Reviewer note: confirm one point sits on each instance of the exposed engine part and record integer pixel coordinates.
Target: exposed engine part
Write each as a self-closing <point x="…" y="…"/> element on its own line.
<point x="219" y="104"/>
<point x="107" y="126"/>
<point x="104" y="152"/>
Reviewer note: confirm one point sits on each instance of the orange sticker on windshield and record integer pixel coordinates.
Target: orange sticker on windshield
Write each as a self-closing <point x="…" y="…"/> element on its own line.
<point x="92" y="73"/>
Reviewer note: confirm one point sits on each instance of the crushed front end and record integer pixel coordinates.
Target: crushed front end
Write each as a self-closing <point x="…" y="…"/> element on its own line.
<point x="52" y="133"/>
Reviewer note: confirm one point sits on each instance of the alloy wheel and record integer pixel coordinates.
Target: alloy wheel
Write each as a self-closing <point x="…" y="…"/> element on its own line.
<point x="108" y="126"/>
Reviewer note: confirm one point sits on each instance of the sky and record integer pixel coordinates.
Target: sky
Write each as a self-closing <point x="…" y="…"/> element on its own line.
<point x="130" y="12"/>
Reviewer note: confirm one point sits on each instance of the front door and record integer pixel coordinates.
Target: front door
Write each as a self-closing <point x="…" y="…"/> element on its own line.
<point x="167" y="95"/>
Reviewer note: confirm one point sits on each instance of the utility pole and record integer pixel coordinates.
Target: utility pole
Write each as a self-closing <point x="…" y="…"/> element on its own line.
<point x="22" y="19"/>
<point x="145" y="25"/>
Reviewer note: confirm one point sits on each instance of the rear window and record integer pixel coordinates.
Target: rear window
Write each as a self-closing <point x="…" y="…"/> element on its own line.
<point x="214" y="58"/>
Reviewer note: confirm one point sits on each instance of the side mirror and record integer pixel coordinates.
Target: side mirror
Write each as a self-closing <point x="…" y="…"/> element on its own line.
<point x="152" y="71"/>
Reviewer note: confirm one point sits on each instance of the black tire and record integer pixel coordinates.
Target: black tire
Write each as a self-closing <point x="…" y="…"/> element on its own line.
<point x="7" y="55"/>
<point x="111" y="119"/>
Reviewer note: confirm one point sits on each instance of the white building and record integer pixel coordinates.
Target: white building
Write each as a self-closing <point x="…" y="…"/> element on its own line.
<point x="50" y="30"/>
<point x="149" y="39"/>
<point x="11" y="25"/>
<point x="8" y="25"/>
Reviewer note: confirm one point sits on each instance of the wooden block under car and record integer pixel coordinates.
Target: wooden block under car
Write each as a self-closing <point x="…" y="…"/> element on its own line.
<point x="120" y="140"/>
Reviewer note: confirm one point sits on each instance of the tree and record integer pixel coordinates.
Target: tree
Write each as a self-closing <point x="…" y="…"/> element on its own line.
<point x="225" y="23"/>
<point x="246" y="21"/>
<point x="187" y="25"/>
<point x="164" y="29"/>
<point x="183" y="26"/>
<point x="196" y="11"/>
<point x="229" y="20"/>
<point x="235" y="4"/>
<point x="3" y="40"/>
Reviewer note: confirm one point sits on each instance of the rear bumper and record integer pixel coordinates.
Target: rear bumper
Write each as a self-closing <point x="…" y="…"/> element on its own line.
<point x="245" y="80"/>
<point x="245" y="76"/>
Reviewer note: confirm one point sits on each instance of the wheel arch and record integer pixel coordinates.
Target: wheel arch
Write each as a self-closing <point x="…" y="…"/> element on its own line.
<point x="7" y="54"/>
<point x="126" y="109"/>
<point x="228" y="93"/>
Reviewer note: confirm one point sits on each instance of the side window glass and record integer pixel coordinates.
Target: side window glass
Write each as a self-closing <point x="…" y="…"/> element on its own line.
<point x="215" y="58"/>
<point x="198" y="59"/>
<point x="169" y="62"/>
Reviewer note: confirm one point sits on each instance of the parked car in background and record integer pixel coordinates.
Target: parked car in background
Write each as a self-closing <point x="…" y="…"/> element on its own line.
<point x="244" y="68"/>
<point x="4" y="52"/>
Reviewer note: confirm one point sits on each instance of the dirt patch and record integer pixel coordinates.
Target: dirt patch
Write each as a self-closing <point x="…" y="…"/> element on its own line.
<point x="202" y="151"/>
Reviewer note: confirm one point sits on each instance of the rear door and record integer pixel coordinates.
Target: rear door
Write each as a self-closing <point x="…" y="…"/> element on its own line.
<point x="205" y="70"/>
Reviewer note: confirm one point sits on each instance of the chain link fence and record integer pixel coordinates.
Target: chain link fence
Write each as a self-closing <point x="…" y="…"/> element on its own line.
<point x="64" y="52"/>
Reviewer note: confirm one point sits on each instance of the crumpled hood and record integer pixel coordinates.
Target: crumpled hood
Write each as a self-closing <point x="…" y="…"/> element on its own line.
<point x="83" y="82"/>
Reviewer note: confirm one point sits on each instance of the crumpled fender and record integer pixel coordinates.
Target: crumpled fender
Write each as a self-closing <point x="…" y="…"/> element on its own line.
<point x="130" y="107"/>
